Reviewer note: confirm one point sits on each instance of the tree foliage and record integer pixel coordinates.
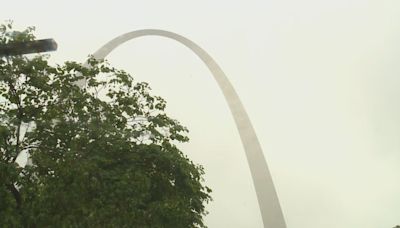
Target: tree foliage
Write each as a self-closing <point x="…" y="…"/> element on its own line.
<point x="102" y="155"/>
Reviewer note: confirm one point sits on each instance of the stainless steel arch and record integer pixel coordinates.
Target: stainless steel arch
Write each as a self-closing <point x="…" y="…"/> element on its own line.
<point x="271" y="211"/>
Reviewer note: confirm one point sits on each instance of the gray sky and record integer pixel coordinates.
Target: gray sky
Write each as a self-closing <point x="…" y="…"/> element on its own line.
<point x="319" y="80"/>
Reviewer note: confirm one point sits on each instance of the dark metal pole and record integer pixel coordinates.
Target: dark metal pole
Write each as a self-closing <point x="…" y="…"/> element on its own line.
<point x="28" y="47"/>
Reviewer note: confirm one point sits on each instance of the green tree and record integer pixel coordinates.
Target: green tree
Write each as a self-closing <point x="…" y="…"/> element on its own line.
<point x="102" y="155"/>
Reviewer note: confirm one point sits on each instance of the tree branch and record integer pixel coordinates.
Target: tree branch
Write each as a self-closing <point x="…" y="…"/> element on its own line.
<point x="16" y="194"/>
<point x="17" y="145"/>
<point x="20" y="113"/>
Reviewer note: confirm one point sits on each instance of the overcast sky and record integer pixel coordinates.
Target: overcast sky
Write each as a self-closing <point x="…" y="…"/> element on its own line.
<point x="319" y="79"/>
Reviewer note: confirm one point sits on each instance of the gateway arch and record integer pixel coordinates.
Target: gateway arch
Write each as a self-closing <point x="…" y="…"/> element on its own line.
<point x="268" y="201"/>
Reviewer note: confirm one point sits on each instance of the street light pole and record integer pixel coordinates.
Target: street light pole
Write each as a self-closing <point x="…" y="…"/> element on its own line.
<point x="28" y="47"/>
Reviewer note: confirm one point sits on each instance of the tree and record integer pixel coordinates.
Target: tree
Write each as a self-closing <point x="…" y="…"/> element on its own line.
<point x="102" y="155"/>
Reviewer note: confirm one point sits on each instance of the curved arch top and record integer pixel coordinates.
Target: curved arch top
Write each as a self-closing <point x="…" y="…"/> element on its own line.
<point x="268" y="201"/>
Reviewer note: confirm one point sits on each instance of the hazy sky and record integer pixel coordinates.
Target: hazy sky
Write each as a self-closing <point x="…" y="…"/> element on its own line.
<point x="319" y="79"/>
